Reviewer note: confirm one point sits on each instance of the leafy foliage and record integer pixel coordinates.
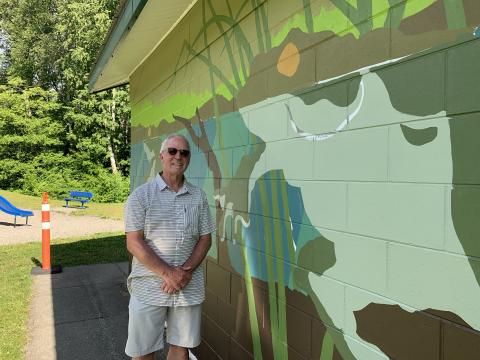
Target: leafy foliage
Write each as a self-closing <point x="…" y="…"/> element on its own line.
<point x="54" y="135"/>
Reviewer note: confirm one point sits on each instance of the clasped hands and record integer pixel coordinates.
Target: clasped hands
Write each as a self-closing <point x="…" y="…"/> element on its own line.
<point x="176" y="278"/>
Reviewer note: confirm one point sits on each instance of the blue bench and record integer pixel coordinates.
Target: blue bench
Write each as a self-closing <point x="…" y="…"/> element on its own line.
<point x="79" y="196"/>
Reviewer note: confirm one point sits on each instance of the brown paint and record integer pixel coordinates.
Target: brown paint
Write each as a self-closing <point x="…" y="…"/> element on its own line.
<point x="419" y="335"/>
<point x="472" y="12"/>
<point x="431" y="19"/>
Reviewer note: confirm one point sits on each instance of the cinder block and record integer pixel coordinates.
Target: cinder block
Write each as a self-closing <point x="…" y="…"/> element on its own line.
<point x="359" y="261"/>
<point x="370" y="104"/>
<point x="227" y="317"/>
<point x="213" y="251"/>
<point x="325" y="203"/>
<point x="424" y="278"/>
<point x="198" y="166"/>
<point x="420" y="151"/>
<point x="237" y="352"/>
<point x="459" y="342"/>
<point x="407" y="213"/>
<point x="220" y="159"/>
<point x="356" y="299"/>
<point x="317" y="110"/>
<point x="299" y="334"/>
<point x="254" y="90"/>
<point x="462" y="204"/>
<point x="300" y="69"/>
<point x="248" y="161"/>
<point x="233" y="131"/>
<point x="462" y="79"/>
<point x="294" y="157"/>
<point x="353" y="155"/>
<point x="361" y="351"/>
<point x="210" y="305"/>
<point x="218" y="281"/>
<point x="464" y="144"/>
<point x="239" y="188"/>
<point x="269" y="121"/>
<point x="331" y="295"/>
<point x="217" y="339"/>
<point x="426" y="75"/>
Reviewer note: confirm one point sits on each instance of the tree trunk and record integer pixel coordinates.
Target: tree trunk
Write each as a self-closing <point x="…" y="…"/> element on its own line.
<point x="113" y="161"/>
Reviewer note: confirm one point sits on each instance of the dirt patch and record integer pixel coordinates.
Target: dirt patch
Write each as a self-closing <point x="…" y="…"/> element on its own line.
<point x="62" y="225"/>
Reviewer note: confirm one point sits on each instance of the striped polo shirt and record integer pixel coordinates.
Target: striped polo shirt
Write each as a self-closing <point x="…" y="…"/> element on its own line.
<point x="172" y="223"/>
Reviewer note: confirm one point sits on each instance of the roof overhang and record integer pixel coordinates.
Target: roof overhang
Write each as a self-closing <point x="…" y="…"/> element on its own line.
<point x="138" y="28"/>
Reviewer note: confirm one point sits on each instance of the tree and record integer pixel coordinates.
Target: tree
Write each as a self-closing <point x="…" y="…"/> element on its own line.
<point x="51" y="45"/>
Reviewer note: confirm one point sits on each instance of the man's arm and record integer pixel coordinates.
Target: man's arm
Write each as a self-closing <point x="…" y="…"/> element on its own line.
<point x="175" y="278"/>
<point x="199" y="252"/>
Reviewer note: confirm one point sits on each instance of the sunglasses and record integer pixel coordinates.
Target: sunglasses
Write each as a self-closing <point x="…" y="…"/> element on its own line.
<point x="183" y="152"/>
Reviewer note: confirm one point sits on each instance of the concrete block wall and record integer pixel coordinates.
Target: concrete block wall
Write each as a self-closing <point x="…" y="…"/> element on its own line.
<point x="337" y="142"/>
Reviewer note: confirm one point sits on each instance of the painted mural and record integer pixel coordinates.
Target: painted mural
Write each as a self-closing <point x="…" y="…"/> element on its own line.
<point x="338" y="142"/>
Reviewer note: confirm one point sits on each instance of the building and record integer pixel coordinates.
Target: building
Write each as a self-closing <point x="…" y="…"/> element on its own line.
<point x="338" y="142"/>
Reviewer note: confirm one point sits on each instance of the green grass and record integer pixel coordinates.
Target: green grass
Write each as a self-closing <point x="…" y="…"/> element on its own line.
<point x="16" y="281"/>
<point x="103" y="210"/>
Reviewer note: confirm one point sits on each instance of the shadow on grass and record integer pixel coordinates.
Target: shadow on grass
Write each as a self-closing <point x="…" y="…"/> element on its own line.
<point x="99" y="250"/>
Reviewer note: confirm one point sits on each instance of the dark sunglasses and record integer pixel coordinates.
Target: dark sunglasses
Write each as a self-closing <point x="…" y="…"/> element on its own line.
<point x="183" y="152"/>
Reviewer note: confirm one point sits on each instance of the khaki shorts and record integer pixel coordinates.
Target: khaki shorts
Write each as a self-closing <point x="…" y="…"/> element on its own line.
<point x="146" y="326"/>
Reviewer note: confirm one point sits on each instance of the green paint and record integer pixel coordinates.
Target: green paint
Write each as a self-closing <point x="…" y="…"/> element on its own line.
<point x="145" y="113"/>
<point x="252" y="311"/>
<point x="359" y="14"/>
<point x="258" y="25"/>
<point x="296" y="21"/>
<point x="396" y="15"/>
<point x="455" y="13"/>
<point x="413" y="7"/>
<point x="380" y="11"/>
<point x="465" y="200"/>
<point x="302" y="280"/>
<point x="279" y="262"/>
<point x="353" y="3"/>
<point x="218" y="21"/>
<point x="213" y="251"/>
<point x="259" y="244"/>
<point x="185" y="104"/>
<point x="266" y="28"/>
<point x="419" y="137"/>
<point x="308" y="15"/>
<point x="272" y="294"/>
<point x="327" y="347"/>
<point x="291" y="249"/>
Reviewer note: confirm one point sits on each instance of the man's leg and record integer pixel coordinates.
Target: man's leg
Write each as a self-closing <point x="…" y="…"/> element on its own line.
<point x="150" y="356"/>
<point x="146" y="325"/>
<point x="183" y="330"/>
<point x="177" y="353"/>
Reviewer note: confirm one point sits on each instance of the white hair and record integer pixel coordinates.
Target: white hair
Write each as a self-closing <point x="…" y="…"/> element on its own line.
<point x="164" y="142"/>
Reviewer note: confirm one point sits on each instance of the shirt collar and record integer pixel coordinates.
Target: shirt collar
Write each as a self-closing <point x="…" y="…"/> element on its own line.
<point x="163" y="185"/>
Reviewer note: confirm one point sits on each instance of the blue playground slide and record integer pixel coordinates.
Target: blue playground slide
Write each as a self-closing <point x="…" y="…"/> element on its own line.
<point x="9" y="208"/>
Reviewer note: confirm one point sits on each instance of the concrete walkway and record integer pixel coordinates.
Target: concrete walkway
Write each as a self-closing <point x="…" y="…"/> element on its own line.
<point x="81" y="313"/>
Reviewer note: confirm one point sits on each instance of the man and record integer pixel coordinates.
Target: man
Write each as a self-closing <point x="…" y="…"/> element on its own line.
<point x="168" y="227"/>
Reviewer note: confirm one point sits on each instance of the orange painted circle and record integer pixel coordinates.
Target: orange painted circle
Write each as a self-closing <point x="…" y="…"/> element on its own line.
<point x="289" y="60"/>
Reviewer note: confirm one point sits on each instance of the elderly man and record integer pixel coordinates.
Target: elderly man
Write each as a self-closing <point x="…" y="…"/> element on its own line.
<point x="168" y="226"/>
